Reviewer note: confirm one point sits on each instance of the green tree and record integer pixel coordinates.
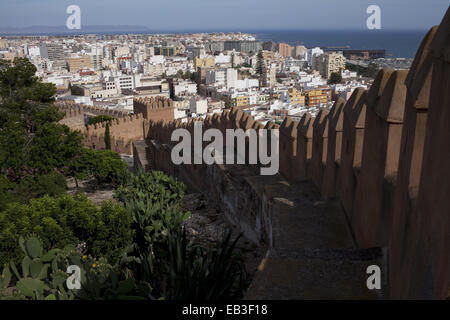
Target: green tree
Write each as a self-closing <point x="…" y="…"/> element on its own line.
<point x="106" y="167"/>
<point x="107" y="137"/>
<point x="100" y="119"/>
<point x="335" y="77"/>
<point x="370" y="71"/>
<point x="31" y="139"/>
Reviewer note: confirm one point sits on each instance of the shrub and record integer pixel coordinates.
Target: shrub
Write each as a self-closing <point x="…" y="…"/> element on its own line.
<point x="157" y="187"/>
<point x="100" y="119"/>
<point x="52" y="184"/>
<point x="108" y="167"/>
<point x="5" y="191"/>
<point x="113" y="232"/>
<point x="65" y="220"/>
<point x="105" y="166"/>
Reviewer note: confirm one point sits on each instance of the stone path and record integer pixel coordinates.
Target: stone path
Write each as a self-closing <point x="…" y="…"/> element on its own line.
<point x="313" y="254"/>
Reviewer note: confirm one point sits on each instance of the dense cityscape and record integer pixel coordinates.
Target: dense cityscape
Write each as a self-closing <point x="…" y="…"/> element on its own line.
<point x="203" y="73"/>
<point x="216" y="173"/>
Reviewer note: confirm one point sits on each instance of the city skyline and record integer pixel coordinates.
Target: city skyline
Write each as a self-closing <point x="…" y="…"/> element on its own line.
<point x="230" y="16"/>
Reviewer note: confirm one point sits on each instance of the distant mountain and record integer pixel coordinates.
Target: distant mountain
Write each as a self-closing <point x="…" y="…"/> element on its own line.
<point x="53" y="30"/>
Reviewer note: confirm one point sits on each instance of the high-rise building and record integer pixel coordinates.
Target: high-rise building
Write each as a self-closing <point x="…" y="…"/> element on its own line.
<point x="232" y="77"/>
<point x="197" y="51"/>
<point x="215" y="46"/>
<point x="311" y="54"/>
<point x="79" y="63"/>
<point x="166" y="51"/>
<point x="329" y="62"/>
<point x="300" y="52"/>
<point x="96" y="61"/>
<point x="272" y="76"/>
<point x="203" y="62"/>
<point x="284" y="50"/>
<point x="269" y="46"/>
<point x="53" y="52"/>
<point x="243" y="46"/>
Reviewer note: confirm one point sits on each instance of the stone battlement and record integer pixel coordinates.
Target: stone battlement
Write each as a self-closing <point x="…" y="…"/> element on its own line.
<point x="382" y="155"/>
<point x="155" y="108"/>
<point x="75" y="112"/>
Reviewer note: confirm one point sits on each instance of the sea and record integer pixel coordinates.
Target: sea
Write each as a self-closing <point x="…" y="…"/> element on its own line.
<point x="397" y="43"/>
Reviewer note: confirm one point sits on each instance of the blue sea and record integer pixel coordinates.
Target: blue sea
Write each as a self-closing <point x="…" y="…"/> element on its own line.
<point x="397" y="43"/>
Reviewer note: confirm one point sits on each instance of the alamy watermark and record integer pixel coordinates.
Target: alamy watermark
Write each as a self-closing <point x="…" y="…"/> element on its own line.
<point x="74" y="20"/>
<point x="374" y="280"/>
<point x="228" y="153"/>
<point x="74" y="280"/>
<point x="374" y="20"/>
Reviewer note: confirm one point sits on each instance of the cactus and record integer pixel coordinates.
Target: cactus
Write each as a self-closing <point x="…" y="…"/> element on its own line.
<point x="33" y="247"/>
<point x="34" y="280"/>
<point x="30" y="287"/>
<point x="5" y="278"/>
<point x="32" y="265"/>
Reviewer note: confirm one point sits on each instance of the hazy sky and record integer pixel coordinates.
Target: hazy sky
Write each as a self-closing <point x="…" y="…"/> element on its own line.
<point x="226" y="14"/>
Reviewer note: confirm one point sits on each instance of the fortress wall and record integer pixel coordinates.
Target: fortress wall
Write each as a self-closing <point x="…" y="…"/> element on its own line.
<point x="304" y="146"/>
<point x="384" y="155"/>
<point x="123" y="131"/>
<point x="351" y="149"/>
<point x="288" y="148"/>
<point x="155" y="108"/>
<point x="381" y="149"/>
<point x="74" y="113"/>
<point x="319" y="147"/>
<point x="418" y="83"/>
<point x="334" y="145"/>
<point x="367" y="153"/>
<point x="427" y="259"/>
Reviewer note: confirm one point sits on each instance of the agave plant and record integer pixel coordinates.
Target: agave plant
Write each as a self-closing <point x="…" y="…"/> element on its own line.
<point x="207" y="274"/>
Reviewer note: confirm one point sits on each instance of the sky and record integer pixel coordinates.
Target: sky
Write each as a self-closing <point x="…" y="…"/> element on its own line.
<point x="227" y="15"/>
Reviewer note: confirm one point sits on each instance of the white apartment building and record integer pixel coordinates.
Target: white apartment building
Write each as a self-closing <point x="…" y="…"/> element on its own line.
<point x="198" y="105"/>
<point x="216" y="77"/>
<point x="232" y="78"/>
<point x="157" y="60"/>
<point x="34" y="51"/>
<point x="184" y="88"/>
<point x="247" y="84"/>
<point x="311" y="54"/>
<point x="222" y="59"/>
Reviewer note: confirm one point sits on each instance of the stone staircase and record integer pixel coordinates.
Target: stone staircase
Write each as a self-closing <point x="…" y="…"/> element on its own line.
<point x="313" y="254"/>
<point x="140" y="154"/>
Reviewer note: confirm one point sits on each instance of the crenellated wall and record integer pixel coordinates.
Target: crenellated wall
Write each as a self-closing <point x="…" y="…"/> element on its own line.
<point x="155" y="108"/>
<point x="383" y="155"/>
<point x="123" y="131"/>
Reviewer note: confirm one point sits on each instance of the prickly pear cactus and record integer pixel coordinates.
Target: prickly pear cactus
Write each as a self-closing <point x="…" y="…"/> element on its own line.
<point x="33" y="247"/>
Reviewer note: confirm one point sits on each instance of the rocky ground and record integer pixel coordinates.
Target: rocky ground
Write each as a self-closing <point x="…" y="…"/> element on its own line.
<point x="206" y="225"/>
<point x="96" y="195"/>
